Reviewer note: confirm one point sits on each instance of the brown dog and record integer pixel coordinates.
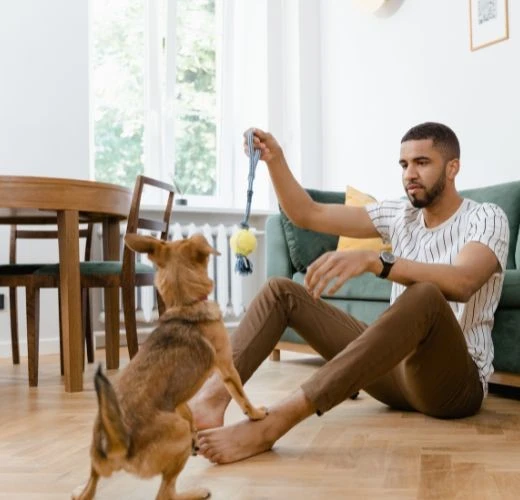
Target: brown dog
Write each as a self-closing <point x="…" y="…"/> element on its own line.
<point x="144" y="425"/>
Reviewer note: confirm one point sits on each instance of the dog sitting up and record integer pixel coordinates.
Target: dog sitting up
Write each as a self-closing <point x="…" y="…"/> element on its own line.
<point x="144" y="425"/>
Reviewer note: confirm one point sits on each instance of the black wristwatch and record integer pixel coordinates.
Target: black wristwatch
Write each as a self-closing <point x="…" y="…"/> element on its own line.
<point x="388" y="259"/>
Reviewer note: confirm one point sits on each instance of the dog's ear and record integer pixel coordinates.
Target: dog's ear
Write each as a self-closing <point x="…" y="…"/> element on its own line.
<point x="201" y="248"/>
<point x="142" y="244"/>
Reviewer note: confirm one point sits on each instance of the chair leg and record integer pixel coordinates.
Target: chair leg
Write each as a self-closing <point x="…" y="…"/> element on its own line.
<point x="62" y="365"/>
<point x="13" y="310"/>
<point x="87" y="330"/>
<point x="87" y="324"/>
<point x="112" y="325"/>
<point x="130" y="321"/>
<point x="160" y="303"/>
<point x="33" y="333"/>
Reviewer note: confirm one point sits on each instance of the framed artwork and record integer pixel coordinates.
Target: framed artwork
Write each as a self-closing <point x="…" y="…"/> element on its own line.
<point x="489" y="22"/>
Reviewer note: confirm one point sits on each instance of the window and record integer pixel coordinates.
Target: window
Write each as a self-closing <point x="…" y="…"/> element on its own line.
<point x="196" y="117"/>
<point x="117" y="79"/>
<point x="174" y="85"/>
<point x="154" y="92"/>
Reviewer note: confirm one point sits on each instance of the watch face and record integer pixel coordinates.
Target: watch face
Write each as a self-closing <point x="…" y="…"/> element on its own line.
<point x="388" y="257"/>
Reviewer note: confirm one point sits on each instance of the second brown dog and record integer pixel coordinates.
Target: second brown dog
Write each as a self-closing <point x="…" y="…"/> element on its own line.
<point x="144" y="425"/>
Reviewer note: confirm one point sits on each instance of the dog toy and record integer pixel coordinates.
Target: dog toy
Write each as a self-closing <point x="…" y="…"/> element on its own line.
<point x="243" y="242"/>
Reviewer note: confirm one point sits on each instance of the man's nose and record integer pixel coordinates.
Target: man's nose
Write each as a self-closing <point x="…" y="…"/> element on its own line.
<point x="410" y="173"/>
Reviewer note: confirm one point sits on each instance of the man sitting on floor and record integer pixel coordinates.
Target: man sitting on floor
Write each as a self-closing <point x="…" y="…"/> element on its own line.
<point x="430" y="351"/>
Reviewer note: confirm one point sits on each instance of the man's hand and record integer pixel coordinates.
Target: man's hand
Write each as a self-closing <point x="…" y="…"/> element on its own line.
<point x="269" y="148"/>
<point x="342" y="266"/>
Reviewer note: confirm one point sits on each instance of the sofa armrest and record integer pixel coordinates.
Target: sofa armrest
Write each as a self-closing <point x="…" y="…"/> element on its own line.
<point x="278" y="261"/>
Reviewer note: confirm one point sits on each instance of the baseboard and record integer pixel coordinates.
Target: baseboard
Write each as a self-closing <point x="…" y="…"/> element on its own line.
<point x="507" y="379"/>
<point x="47" y="346"/>
<point x="142" y="335"/>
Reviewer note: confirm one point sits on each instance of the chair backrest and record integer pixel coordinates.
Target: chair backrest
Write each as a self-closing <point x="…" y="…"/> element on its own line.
<point x="45" y="234"/>
<point x="156" y="220"/>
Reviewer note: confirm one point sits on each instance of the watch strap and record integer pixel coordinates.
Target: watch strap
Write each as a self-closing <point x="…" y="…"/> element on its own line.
<point x="386" y="268"/>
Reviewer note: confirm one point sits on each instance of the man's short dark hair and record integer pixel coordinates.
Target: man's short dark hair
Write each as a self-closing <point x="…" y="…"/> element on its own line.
<point x="442" y="136"/>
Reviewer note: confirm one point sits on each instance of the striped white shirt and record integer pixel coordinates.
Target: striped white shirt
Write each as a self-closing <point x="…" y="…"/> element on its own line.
<point x="402" y="225"/>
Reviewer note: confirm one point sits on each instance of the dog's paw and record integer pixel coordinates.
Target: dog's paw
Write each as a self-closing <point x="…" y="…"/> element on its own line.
<point x="257" y="413"/>
<point x="196" y="494"/>
<point x="77" y="493"/>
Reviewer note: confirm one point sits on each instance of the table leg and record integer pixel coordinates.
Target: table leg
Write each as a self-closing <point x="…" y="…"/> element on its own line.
<point x="111" y="242"/>
<point x="70" y="293"/>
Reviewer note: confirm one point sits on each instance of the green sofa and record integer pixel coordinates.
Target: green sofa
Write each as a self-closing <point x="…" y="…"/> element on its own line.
<point x="289" y="250"/>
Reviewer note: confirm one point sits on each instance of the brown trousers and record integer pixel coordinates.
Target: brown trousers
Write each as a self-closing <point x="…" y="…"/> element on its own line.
<point x="413" y="357"/>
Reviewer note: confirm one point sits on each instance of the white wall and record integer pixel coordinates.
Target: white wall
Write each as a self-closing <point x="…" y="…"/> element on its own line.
<point x="44" y="88"/>
<point x="44" y="114"/>
<point x="294" y="86"/>
<point x="382" y="75"/>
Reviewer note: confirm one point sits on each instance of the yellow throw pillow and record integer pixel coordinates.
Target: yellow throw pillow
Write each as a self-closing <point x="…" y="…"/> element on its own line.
<point x="356" y="198"/>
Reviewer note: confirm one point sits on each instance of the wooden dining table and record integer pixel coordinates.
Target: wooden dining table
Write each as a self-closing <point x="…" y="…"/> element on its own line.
<point x="67" y="203"/>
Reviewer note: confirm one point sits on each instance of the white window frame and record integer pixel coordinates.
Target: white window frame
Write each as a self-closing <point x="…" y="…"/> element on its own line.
<point x="159" y="144"/>
<point x="241" y="98"/>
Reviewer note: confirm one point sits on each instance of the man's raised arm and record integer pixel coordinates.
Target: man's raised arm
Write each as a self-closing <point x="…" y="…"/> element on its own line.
<point x="301" y="209"/>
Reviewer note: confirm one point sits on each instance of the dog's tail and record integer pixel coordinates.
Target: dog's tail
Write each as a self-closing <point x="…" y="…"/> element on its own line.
<point x="114" y="439"/>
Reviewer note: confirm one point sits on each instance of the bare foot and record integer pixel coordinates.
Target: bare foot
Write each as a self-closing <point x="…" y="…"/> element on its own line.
<point x="236" y="442"/>
<point x="209" y="404"/>
<point x="248" y="438"/>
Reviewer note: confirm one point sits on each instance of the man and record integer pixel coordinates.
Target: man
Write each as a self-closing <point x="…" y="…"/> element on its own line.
<point x="430" y="351"/>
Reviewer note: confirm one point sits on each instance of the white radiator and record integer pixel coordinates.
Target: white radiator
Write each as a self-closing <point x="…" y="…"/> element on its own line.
<point x="228" y="289"/>
<point x="231" y="290"/>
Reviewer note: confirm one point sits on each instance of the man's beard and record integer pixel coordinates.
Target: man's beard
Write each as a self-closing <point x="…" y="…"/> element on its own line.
<point x="430" y="195"/>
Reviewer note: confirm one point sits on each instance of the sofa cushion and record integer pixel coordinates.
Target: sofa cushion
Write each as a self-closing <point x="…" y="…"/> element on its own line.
<point x="355" y="198"/>
<point x="507" y="197"/>
<point x="364" y="287"/>
<point x="510" y="297"/>
<point x="306" y="246"/>
<point x="506" y="340"/>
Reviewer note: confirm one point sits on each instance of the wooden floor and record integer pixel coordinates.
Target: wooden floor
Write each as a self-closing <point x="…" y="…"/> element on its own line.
<point x="360" y="450"/>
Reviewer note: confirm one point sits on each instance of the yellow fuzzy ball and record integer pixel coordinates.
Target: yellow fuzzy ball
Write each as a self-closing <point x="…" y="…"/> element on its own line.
<point x="243" y="242"/>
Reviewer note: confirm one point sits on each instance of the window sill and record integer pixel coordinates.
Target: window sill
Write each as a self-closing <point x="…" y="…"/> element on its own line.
<point x="187" y="209"/>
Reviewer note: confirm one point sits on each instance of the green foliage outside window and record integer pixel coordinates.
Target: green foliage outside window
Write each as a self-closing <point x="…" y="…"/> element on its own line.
<point x="195" y="137"/>
<point x="118" y="79"/>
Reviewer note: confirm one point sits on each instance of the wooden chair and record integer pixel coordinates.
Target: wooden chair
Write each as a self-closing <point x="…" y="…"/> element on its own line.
<point x="126" y="274"/>
<point x="16" y="274"/>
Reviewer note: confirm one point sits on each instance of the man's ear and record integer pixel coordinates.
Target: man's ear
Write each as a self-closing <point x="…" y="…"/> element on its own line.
<point x="453" y="168"/>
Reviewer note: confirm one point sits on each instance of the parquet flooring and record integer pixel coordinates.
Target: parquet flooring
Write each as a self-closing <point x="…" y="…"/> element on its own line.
<point x="360" y="450"/>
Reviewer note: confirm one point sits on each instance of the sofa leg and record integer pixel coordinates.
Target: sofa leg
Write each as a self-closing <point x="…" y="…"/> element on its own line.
<point x="275" y="355"/>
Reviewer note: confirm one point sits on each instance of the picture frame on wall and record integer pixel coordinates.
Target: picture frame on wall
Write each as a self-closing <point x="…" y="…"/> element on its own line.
<point x="489" y="22"/>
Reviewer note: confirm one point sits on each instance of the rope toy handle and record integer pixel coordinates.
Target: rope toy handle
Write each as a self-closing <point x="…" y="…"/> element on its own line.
<point x="254" y="156"/>
<point x="244" y="241"/>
